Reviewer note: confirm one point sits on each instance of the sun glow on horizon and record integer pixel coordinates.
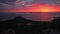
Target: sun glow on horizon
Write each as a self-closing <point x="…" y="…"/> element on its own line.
<point x="47" y="9"/>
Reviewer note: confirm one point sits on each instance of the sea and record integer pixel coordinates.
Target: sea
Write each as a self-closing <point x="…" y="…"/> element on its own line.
<point x="35" y="16"/>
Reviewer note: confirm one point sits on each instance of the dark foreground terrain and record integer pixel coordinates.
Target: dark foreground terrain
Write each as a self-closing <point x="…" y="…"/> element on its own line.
<point x="20" y="25"/>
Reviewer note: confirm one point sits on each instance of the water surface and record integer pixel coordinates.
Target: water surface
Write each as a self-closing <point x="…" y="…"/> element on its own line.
<point x="36" y="16"/>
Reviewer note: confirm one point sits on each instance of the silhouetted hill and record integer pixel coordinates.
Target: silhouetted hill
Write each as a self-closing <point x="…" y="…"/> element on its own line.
<point x="22" y="20"/>
<point x="18" y="19"/>
<point x="56" y="20"/>
<point x="18" y="24"/>
<point x="56" y="23"/>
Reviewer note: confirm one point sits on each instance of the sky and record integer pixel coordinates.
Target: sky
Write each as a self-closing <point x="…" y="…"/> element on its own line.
<point x="29" y="5"/>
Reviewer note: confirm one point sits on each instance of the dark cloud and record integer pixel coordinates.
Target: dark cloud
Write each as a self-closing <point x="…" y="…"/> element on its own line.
<point x="7" y="1"/>
<point x="41" y="1"/>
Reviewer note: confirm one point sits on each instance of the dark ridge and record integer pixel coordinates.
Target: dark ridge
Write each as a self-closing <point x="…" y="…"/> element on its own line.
<point x="18" y="19"/>
<point x="18" y="24"/>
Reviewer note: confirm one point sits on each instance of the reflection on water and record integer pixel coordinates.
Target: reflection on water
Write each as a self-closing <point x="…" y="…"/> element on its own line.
<point x="40" y="16"/>
<point x="46" y="16"/>
<point x="32" y="16"/>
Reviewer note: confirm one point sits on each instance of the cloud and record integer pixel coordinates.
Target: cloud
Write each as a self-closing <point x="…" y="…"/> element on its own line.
<point x="50" y="1"/>
<point x="17" y="4"/>
<point x="24" y="2"/>
<point x="29" y="0"/>
<point x="5" y="6"/>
